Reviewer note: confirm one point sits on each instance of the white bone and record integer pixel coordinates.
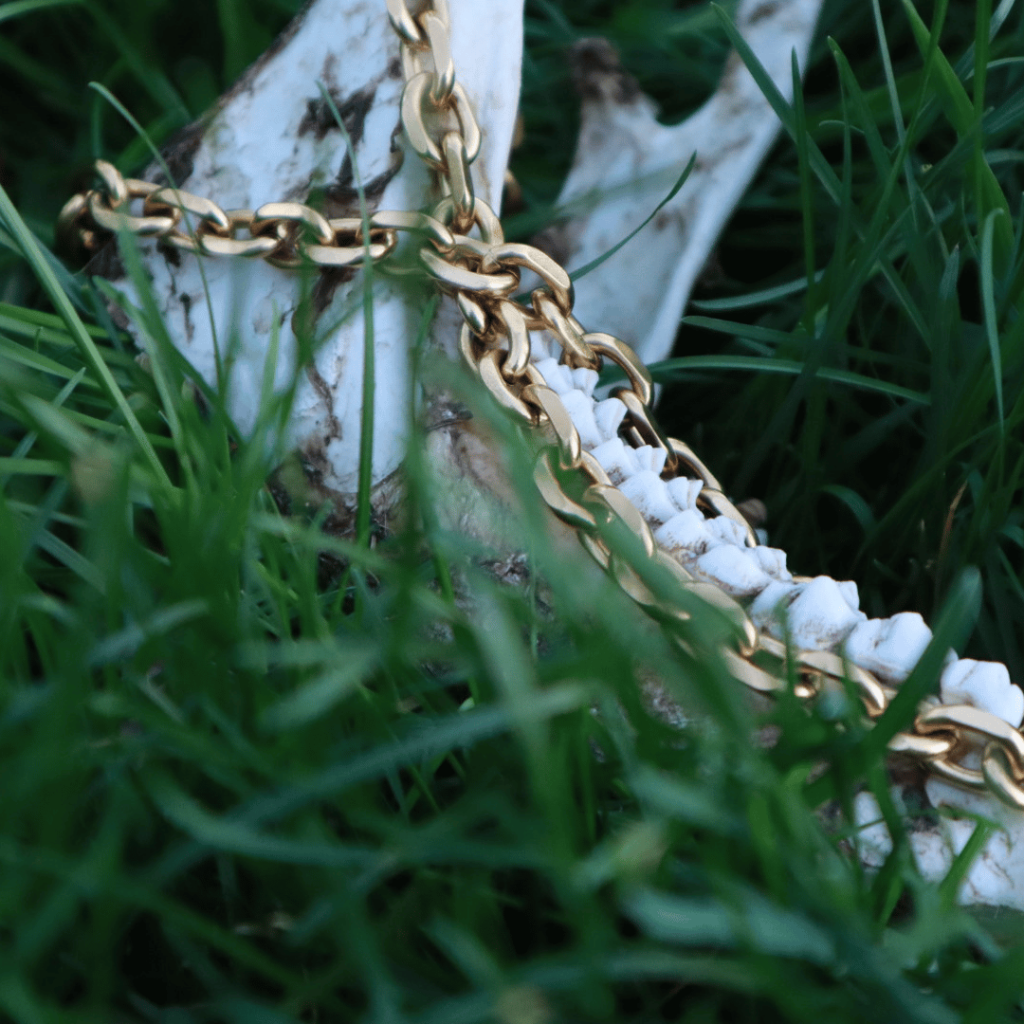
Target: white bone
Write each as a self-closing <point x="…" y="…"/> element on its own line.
<point x="580" y="407"/>
<point x="819" y="616"/>
<point x="686" y="530"/>
<point x="257" y="147"/>
<point x="626" y="163"/>
<point x="624" y="154"/>
<point x="648" y="492"/>
<point x="733" y="570"/>
<point x="984" y="684"/>
<point x="609" y="415"/>
<point x="889" y="647"/>
<point x="685" y="491"/>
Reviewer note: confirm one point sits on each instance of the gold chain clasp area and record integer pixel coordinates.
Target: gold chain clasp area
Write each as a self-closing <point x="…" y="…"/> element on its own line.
<point x="464" y="251"/>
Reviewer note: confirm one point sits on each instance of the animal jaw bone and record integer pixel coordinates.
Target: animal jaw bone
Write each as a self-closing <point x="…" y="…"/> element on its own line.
<point x="272" y="137"/>
<point x="301" y="151"/>
<point x="626" y="163"/>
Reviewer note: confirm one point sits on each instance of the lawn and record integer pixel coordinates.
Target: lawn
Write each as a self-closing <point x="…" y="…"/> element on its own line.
<point x="257" y="772"/>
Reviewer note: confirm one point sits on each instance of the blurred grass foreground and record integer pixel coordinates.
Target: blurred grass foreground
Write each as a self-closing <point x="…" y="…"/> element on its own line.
<point x="256" y="773"/>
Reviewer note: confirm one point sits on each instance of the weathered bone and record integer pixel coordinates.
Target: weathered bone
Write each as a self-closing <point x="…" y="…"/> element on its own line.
<point x="823" y="614"/>
<point x="272" y="137"/>
<point x="626" y="163"/>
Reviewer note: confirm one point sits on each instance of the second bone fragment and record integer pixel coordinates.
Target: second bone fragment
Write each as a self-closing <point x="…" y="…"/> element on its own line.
<point x="626" y="162"/>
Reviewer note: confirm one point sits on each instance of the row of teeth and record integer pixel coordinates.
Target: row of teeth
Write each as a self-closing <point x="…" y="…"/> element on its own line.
<point x="821" y="614"/>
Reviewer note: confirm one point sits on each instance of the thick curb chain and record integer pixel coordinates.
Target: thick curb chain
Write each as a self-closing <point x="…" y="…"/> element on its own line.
<point x="464" y="250"/>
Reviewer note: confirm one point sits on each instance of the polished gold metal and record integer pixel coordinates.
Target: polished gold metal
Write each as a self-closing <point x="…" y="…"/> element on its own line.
<point x="553" y="412"/>
<point x="626" y="359"/>
<point x="462" y="247"/>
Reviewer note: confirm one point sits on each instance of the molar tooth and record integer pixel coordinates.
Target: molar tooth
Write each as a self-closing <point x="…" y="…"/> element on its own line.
<point x="685" y="491"/>
<point x="585" y="379"/>
<point x="687" y="530"/>
<point x="555" y="375"/>
<point x="581" y="410"/>
<point x="890" y="648"/>
<point x="774" y="599"/>
<point x="728" y="530"/>
<point x="609" y="415"/>
<point x="985" y="685"/>
<point x="772" y="561"/>
<point x="617" y="460"/>
<point x="733" y="570"/>
<point x="819" y="617"/>
<point x="649" y="457"/>
<point x="650" y="495"/>
<point x="851" y="595"/>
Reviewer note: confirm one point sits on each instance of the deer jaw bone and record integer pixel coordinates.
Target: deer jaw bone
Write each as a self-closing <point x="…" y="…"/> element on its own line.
<point x="626" y="163"/>
<point x="273" y="137"/>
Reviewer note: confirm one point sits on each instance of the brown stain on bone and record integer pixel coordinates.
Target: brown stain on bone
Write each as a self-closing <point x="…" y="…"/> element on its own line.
<point x="323" y="390"/>
<point x="766" y="10"/>
<point x="320" y="119"/>
<point x="598" y="73"/>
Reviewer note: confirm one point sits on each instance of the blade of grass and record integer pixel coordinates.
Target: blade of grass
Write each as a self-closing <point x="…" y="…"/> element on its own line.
<point x="366" y="433"/>
<point x="575" y="275"/>
<point x="986" y="272"/>
<point x="806" y="195"/>
<point x="789" y="367"/>
<point x="155" y="320"/>
<point x="961" y="114"/>
<point x="17" y="8"/>
<point x="33" y="253"/>
<point x="763" y="297"/>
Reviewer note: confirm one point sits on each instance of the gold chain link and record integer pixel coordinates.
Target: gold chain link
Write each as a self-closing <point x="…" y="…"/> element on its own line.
<point x="482" y="274"/>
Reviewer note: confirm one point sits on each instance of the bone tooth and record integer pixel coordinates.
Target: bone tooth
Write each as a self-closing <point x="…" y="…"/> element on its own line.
<point x="649" y="457"/>
<point x="890" y="648"/>
<point x="585" y="379"/>
<point x="686" y="530"/>
<point x="733" y="570"/>
<point x="819" y="617"/>
<point x="581" y="410"/>
<point x="616" y="459"/>
<point x="851" y="595"/>
<point x="773" y="600"/>
<point x="985" y="685"/>
<point x="772" y="561"/>
<point x="728" y="530"/>
<point x="650" y="495"/>
<point x="609" y="415"/>
<point x="685" y="491"/>
<point x="557" y="376"/>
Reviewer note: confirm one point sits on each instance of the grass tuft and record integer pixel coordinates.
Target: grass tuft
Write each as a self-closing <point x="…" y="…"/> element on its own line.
<point x="256" y="772"/>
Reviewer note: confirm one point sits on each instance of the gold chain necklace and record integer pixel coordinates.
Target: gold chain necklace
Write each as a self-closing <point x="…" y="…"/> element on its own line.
<point x="482" y="274"/>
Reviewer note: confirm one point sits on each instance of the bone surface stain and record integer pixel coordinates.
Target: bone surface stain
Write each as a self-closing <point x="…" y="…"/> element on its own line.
<point x="319" y="117"/>
<point x="766" y="10"/>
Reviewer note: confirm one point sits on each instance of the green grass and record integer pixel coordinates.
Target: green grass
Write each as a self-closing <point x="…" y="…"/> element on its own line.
<point x="254" y="772"/>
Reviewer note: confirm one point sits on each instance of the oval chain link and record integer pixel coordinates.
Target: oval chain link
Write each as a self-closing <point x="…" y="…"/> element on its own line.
<point x="482" y="273"/>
